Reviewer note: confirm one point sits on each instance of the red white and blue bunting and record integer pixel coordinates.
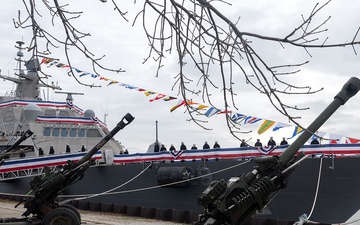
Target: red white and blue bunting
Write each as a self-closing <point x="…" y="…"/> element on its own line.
<point x="330" y="150"/>
<point x="50" y="104"/>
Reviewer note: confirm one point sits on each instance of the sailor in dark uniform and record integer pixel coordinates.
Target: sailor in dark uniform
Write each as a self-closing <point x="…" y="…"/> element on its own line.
<point x="258" y="143"/>
<point x="271" y="142"/>
<point x="172" y="148"/>
<point x="41" y="151"/>
<point x="22" y="154"/>
<point x="283" y="142"/>
<point x="206" y="145"/>
<point x="182" y="146"/>
<point x="162" y="148"/>
<point x="67" y="149"/>
<point x="243" y="143"/>
<point x="315" y="141"/>
<point x="51" y="151"/>
<point x="216" y="145"/>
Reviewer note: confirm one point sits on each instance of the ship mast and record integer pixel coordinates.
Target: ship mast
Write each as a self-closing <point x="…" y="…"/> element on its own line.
<point x="19" y="54"/>
<point x="27" y="83"/>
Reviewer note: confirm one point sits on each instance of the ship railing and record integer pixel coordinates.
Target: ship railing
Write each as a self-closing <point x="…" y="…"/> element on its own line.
<point x="245" y="153"/>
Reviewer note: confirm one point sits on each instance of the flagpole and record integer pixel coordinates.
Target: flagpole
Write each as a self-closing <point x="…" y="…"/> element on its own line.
<point x="156" y="132"/>
<point x="156" y="147"/>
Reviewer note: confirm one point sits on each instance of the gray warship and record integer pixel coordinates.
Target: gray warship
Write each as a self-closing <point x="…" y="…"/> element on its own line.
<point x="324" y="186"/>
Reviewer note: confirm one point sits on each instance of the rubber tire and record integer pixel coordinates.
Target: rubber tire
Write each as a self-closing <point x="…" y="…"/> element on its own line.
<point x="61" y="216"/>
<point x="72" y="208"/>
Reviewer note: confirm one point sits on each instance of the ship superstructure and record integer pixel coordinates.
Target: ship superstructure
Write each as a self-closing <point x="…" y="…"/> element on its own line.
<point x="55" y="125"/>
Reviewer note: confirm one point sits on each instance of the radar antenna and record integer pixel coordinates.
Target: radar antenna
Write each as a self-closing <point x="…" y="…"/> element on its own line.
<point x="69" y="98"/>
<point x="20" y="54"/>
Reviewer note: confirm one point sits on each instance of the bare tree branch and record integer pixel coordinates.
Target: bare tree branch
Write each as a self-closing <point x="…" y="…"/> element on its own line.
<point x="203" y="38"/>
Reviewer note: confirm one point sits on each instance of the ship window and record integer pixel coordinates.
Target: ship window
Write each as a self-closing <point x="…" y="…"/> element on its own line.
<point x="50" y="112"/>
<point x="64" y="132"/>
<point x="81" y="132"/>
<point x="8" y="116"/>
<point x="64" y="113"/>
<point x="73" y="132"/>
<point x="47" y="131"/>
<point x="56" y="132"/>
<point x="93" y="133"/>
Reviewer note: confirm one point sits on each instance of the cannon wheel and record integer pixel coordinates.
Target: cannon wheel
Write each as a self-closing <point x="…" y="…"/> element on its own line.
<point x="72" y="208"/>
<point x="61" y="216"/>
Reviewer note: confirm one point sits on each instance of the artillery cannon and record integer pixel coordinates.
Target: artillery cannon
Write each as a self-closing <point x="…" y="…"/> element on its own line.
<point x="233" y="202"/>
<point x="43" y="208"/>
<point x="11" y="148"/>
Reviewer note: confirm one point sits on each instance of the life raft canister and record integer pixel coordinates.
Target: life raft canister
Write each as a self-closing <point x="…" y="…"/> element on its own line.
<point x="179" y="175"/>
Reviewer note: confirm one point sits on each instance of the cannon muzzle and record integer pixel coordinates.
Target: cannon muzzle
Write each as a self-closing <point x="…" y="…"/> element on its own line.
<point x="235" y="201"/>
<point x="350" y="88"/>
<point x="127" y="119"/>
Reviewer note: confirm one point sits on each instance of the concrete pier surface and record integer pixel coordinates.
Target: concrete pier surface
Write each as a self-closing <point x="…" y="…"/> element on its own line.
<point x="7" y="209"/>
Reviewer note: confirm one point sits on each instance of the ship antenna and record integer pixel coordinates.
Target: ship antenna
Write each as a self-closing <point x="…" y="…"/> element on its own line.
<point x="69" y="98"/>
<point x="156" y="147"/>
<point x="156" y="131"/>
<point x="20" y="54"/>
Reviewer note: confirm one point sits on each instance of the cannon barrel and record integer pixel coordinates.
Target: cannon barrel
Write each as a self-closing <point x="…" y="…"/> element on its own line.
<point x="349" y="89"/>
<point x="239" y="198"/>
<point x="25" y="136"/>
<point x="127" y="119"/>
<point x="47" y="187"/>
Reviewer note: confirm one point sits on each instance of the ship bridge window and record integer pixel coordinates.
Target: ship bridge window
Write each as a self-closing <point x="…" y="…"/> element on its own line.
<point x="73" y="132"/>
<point x="93" y="133"/>
<point x="81" y="132"/>
<point x="8" y="115"/>
<point x="64" y="132"/>
<point x="47" y="131"/>
<point x="50" y="112"/>
<point x="64" y="113"/>
<point x="56" y="132"/>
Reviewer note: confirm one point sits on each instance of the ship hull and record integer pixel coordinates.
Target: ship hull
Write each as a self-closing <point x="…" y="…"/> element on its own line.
<point x="336" y="201"/>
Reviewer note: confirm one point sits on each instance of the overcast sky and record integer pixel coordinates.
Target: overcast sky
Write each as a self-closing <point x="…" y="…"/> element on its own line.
<point x="125" y="47"/>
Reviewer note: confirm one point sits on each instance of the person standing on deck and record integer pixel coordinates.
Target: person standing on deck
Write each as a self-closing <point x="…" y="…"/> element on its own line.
<point x="206" y="145"/>
<point x="51" y="151"/>
<point x="163" y="148"/>
<point x="67" y="148"/>
<point x="172" y="148"/>
<point x="315" y="142"/>
<point x="41" y="151"/>
<point x="258" y="143"/>
<point x="283" y="142"/>
<point x="271" y="142"/>
<point x="243" y="143"/>
<point x="182" y="146"/>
